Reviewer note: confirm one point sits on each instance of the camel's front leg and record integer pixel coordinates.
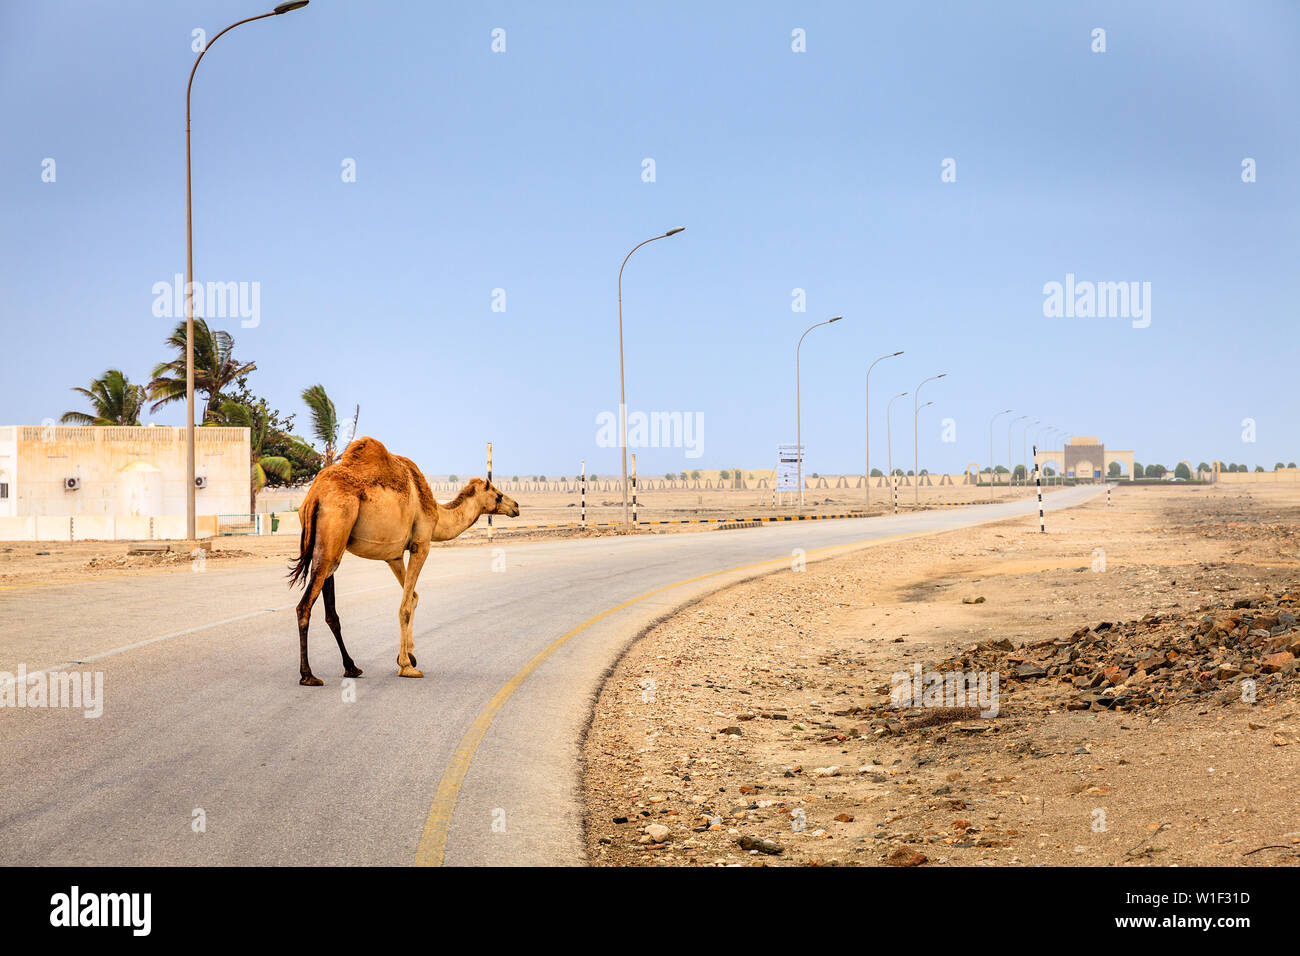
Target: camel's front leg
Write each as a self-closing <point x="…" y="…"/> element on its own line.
<point x="398" y="567"/>
<point x="406" y="653"/>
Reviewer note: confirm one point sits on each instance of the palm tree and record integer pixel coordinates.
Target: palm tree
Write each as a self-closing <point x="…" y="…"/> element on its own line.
<point x="324" y="421"/>
<point x="215" y="368"/>
<point x="114" y="399"/>
<point x="255" y="419"/>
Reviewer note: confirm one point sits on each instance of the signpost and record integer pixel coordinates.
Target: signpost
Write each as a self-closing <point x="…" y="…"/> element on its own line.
<point x="787" y="468"/>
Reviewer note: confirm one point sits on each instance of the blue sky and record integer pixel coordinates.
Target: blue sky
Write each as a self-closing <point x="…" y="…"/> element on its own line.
<point x="817" y="170"/>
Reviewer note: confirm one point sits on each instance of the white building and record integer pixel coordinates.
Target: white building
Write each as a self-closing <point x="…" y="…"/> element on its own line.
<point x="74" y="482"/>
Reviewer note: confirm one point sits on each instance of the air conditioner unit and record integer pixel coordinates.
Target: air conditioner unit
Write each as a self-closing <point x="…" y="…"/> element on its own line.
<point x="200" y="481"/>
<point x="71" y="484"/>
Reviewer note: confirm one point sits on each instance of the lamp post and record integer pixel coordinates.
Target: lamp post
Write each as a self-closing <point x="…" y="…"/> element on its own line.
<point x="992" y="474"/>
<point x="1057" y="434"/>
<point x="798" y="422"/>
<point x="1039" y="435"/>
<point x="189" y="270"/>
<point x="1010" y="425"/>
<point x="889" y="444"/>
<point x="1024" y="446"/>
<point x="916" y="442"/>
<point x="867" y="479"/>
<point x="622" y="392"/>
<point x="916" y="471"/>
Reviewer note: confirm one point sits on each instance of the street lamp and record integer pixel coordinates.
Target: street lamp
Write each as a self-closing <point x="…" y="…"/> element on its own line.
<point x="916" y="471"/>
<point x="867" y="480"/>
<point x="889" y="443"/>
<point x="1005" y="411"/>
<point x="189" y="272"/>
<point x="622" y="392"/>
<point x="1040" y="435"/>
<point x="1024" y="446"/>
<point x="916" y="443"/>
<point x="1010" y="425"/>
<point x="1058" y="435"/>
<point x="798" y="422"/>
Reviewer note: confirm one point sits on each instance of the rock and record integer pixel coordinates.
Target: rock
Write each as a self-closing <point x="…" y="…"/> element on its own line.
<point x="844" y="818"/>
<point x="833" y="771"/>
<point x="1028" y="671"/>
<point x="733" y="731"/>
<point x="658" y="832"/>
<point x="1283" y="736"/>
<point x="968" y="600"/>
<point x="905" y="856"/>
<point x="748" y="842"/>
<point x="1276" y="662"/>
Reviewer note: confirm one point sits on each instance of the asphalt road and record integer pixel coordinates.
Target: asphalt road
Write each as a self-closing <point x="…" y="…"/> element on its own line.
<point x="204" y="721"/>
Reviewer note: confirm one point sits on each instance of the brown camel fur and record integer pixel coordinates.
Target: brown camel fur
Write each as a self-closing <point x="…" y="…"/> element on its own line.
<point x="377" y="506"/>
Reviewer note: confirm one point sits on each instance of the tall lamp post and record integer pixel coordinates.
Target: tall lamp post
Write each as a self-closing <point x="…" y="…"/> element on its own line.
<point x="1011" y="425"/>
<point x="1024" y="447"/>
<point x="798" y="421"/>
<point x="867" y="479"/>
<point x="1040" y="435"/>
<point x="622" y="391"/>
<point x="189" y="271"/>
<point x="916" y="441"/>
<point x="889" y="442"/>
<point x="1056" y="434"/>
<point x="992" y="474"/>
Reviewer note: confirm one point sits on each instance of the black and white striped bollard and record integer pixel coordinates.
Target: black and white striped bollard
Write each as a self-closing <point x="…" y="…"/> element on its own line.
<point x="634" y="490"/>
<point x="489" y="481"/>
<point x="583" y="491"/>
<point x="1038" y="483"/>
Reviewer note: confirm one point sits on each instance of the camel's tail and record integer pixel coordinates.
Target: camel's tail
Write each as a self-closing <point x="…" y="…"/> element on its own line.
<point x="301" y="570"/>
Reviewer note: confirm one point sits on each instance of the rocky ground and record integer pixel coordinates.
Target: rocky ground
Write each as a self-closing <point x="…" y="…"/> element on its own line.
<point x="1147" y="700"/>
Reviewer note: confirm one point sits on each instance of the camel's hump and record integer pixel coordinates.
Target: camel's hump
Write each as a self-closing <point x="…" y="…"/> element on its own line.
<point x="363" y="450"/>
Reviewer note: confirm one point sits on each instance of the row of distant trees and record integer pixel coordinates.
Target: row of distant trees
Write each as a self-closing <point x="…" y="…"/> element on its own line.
<point x="1182" y="471"/>
<point x="278" y="455"/>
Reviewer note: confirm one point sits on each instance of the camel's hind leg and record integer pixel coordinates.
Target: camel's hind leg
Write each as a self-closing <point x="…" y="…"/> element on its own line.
<point x="405" y="654"/>
<point x="398" y="567"/>
<point x="314" y="587"/>
<point x="333" y="528"/>
<point x="350" y="669"/>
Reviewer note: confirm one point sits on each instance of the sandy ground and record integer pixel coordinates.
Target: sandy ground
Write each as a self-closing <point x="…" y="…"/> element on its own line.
<point x="757" y="726"/>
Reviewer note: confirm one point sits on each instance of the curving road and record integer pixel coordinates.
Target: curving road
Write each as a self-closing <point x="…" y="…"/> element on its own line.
<point x="203" y="719"/>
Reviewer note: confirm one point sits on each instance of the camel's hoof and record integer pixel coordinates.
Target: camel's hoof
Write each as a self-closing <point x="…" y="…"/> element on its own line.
<point x="410" y="672"/>
<point x="352" y="671"/>
<point x="311" y="680"/>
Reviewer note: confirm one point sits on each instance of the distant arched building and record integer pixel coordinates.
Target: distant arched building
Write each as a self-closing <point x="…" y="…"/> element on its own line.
<point x="1084" y="458"/>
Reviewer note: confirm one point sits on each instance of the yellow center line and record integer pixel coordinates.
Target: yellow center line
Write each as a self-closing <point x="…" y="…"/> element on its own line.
<point x="433" y="839"/>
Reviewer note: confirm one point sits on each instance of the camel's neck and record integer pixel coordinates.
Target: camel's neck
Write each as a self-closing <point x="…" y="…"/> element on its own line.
<point x="450" y="522"/>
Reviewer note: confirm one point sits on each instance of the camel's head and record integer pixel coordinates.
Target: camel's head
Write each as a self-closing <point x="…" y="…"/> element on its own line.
<point x="493" y="501"/>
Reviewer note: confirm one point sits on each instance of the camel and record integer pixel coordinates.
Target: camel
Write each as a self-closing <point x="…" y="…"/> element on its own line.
<point x="378" y="506"/>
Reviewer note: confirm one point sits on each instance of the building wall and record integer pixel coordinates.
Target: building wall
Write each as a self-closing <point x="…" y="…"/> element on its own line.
<point x="124" y="471"/>
<point x="1258" y="477"/>
<point x="9" y="470"/>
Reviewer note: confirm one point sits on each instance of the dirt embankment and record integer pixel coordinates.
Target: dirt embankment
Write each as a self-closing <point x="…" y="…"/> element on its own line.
<point x="1147" y="704"/>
